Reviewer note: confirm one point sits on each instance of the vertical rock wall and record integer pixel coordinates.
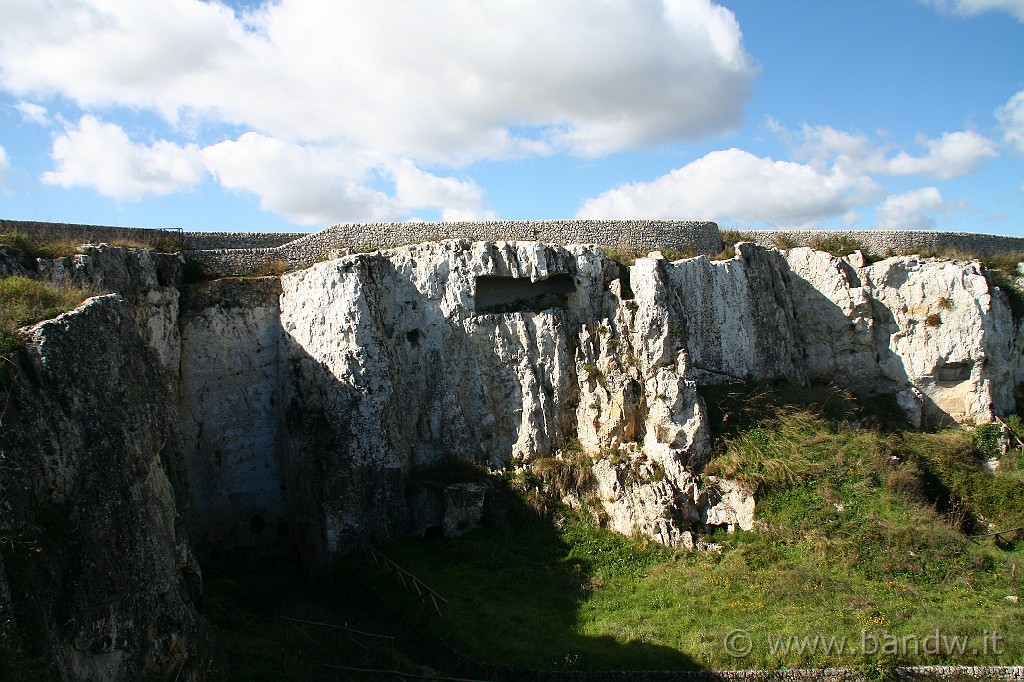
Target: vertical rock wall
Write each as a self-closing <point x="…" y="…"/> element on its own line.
<point x="231" y="415"/>
<point x="96" y="546"/>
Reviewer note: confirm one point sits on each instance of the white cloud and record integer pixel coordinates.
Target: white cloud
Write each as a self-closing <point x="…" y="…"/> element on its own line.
<point x="1011" y="119"/>
<point x="950" y="156"/>
<point x="100" y="156"/>
<point x="457" y="199"/>
<point x="33" y="113"/>
<point x="313" y="185"/>
<point x="5" y="166"/>
<point x="734" y="184"/>
<point x="971" y="7"/>
<point x="308" y="185"/>
<point x="440" y="82"/>
<point x="913" y="210"/>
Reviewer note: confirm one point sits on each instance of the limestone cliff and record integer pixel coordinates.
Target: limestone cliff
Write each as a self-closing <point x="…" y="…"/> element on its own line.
<point x="92" y="482"/>
<point x="255" y="416"/>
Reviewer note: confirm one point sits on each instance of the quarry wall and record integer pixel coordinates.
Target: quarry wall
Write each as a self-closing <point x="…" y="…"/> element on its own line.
<point x="259" y="414"/>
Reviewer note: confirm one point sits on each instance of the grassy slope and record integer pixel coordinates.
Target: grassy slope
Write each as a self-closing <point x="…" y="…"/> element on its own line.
<point x="859" y="531"/>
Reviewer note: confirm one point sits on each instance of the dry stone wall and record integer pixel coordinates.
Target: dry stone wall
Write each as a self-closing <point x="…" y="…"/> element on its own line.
<point x="891" y="242"/>
<point x="633" y="236"/>
<point x="247" y="252"/>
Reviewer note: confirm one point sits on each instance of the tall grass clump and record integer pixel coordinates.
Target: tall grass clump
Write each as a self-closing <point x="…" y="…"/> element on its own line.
<point x="838" y="245"/>
<point x="32" y="248"/>
<point x="25" y="301"/>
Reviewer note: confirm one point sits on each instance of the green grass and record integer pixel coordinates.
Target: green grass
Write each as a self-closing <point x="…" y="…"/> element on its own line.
<point x="60" y="246"/>
<point x="838" y="245"/>
<point x="861" y="532"/>
<point x="34" y="248"/>
<point x="25" y="301"/>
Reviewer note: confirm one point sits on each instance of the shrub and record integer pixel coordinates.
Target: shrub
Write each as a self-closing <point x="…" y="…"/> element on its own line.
<point x="730" y="238"/>
<point x="987" y="438"/>
<point x="34" y="248"/>
<point x="623" y="254"/>
<point x="565" y="476"/>
<point x="675" y="254"/>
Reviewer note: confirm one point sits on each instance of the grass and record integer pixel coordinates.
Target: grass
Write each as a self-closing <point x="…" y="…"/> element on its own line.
<point x="861" y="532"/>
<point x="34" y="248"/>
<point x="730" y="238"/>
<point x="60" y="246"/>
<point x="838" y="245"/>
<point x="25" y="301"/>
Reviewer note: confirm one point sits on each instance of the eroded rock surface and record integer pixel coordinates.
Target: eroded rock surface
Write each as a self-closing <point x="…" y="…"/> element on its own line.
<point x="92" y="483"/>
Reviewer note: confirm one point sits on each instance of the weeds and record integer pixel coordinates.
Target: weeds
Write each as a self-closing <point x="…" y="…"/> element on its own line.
<point x="674" y="254"/>
<point x="838" y="245"/>
<point x="32" y="248"/>
<point x="25" y="301"/>
<point x="730" y="238"/>
<point x="784" y="241"/>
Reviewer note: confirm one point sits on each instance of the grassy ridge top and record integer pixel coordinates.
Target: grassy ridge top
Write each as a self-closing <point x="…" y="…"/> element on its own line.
<point x="25" y="301"/>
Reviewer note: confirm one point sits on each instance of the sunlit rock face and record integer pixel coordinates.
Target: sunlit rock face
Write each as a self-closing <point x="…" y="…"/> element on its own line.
<point x="397" y="361"/>
<point x="484" y="352"/>
<point x="935" y="333"/>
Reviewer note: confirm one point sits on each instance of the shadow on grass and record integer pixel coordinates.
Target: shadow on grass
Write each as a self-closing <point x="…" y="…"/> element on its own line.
<point x="514" y="587"/>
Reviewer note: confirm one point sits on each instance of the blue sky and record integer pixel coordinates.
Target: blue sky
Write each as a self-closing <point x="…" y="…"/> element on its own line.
<point x="297" y="114"/>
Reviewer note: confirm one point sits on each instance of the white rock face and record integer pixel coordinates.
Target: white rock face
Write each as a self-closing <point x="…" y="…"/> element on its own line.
<point x="231" y="414"/>
<point x="324" y="409"/>
<point x="482" y="352"/>
<point x="490" y="352"/>
<point x="935" y="333"/>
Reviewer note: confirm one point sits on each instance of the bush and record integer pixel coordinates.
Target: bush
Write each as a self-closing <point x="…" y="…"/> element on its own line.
<point x="987" y="438"/>
<point x="784" y="241"/>
<point x="34" y="248"/>
<point x="730" y="238"/>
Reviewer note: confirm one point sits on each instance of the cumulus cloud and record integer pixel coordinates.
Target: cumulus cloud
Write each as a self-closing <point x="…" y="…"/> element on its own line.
<point x="949" y="156"/>
<point x="1011" y="119"/>
<point x="971" y="7"/>
<point x="312" y="185"/>
<point x="734" y="184"/>
<point x="307" y="185"/>
<point x="832" y="174"/>
<point x="440" y="82"/>
<point x="914" y="210"/>
<point x="348" y="96"/>
<point x="100" y="156"/>
<point x="457" y="199"/>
